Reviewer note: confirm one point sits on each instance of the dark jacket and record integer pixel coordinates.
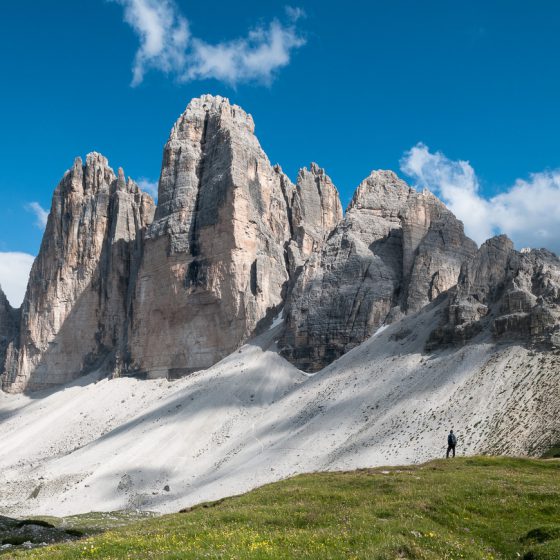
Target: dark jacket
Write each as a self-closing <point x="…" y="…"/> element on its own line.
<point x="451" y="439"/>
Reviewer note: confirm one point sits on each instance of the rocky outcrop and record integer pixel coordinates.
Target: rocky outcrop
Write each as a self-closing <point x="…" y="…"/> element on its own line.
<point x="505" y="293"/>
<point x="315" y="212"/>
<point x="74" y="315"/>
<point x="395" y="251"/>
<point x="434" y="249"/>
<point x="214" y="268"/>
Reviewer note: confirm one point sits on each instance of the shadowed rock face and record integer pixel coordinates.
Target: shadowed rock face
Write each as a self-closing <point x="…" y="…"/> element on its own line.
<point x="73" y="318"/>
<point x="510" y="294"/>
<point x="434" y="249"/>
<point x="395" y="251"/>
<point x="214" y="264"/>
<point x="8" y="326"/>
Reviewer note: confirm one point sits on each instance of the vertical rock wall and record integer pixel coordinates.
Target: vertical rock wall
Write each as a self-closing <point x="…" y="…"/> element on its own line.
<point x="232" y="242"/>
<point x="8" y="326"/>
<point x="214" y="265"/>
<point x="511" y="294"/>
<point x="315" y="211"/>
<point x="73" y="317"/>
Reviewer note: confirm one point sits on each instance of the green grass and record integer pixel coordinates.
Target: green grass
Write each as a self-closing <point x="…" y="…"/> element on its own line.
<point x="476" y="508"/>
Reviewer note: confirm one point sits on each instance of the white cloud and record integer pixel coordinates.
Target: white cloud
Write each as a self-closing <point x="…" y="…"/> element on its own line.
<point x="295" y="13"/>
<point x="254" y="58"/>
<point x="163" y="34"/>
<point x="167" y="45"/>
<point x="151" y="187"/>
<point x="528" y="212"/>
<point x="41" y="214"/>
<point x="14" y="275"/>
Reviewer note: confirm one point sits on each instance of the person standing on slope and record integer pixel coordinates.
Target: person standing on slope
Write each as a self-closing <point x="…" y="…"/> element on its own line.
<point x="451" y="443"/>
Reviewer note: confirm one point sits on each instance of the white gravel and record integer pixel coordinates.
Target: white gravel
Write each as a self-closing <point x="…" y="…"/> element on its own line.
<point x="254" y="418"/>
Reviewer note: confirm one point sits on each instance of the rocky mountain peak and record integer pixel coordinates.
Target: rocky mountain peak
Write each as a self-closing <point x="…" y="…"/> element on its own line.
<point x="77" y="302"/>
<point x="315" y="211"/>
<point x="315" y="170"/>
<point x="394" y="251"/>
<point x="232" y="243"/>
<point x="214" y="265"/>
<point x="210" y="106"/>
<point x="381" y="191"/>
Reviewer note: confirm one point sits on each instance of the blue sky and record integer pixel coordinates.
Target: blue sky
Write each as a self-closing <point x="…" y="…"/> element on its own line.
<point x="459" y="97"/>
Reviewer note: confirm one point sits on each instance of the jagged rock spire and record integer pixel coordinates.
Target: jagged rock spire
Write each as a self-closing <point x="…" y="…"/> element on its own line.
<point x="504" y="293"/>
<point x="233" y="241"/>
<point x="315" y="210"/>
<point x="214" y="264"/>
<point x="75" y="310"/>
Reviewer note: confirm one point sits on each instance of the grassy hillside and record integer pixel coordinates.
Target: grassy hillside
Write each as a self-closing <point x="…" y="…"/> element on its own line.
<point x="479" y="508"/>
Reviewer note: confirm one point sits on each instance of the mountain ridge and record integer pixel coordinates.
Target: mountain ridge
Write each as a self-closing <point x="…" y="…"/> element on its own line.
<point x="129" y="288"/>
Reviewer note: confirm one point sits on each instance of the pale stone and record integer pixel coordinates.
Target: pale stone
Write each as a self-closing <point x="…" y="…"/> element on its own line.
<point x="315" y="212"/>
<point x="214" y="269"/>
<point x="506" y="294"/>
<point x="395" y="251"/>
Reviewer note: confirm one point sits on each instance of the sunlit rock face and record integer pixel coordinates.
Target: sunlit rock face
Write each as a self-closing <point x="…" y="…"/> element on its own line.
<point x="315" y="211"/>
<point x="395" y="251"/>
<point x="127" y="289"/>
<point x="214" y="269"/>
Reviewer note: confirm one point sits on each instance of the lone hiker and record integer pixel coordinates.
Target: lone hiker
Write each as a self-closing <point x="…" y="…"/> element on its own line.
<point x="451" y="443"/>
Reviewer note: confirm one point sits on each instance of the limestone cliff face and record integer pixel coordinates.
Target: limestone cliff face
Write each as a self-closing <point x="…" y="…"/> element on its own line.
<point x="73" y="318"/>
<point x="505" y="293"/>
<point x="214" y="264"/>
<point x="395" y="251"/>
<point x="315" y="212"/>
<point x="8" y="326"/>
<point x="434" y="249"/>
<point x="212" y="269"/>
